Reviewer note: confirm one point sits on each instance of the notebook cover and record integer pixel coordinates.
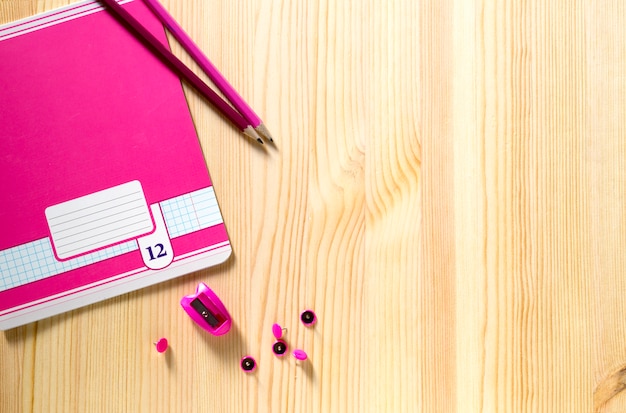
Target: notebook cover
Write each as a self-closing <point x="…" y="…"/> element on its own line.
<point x="104" y="185"/>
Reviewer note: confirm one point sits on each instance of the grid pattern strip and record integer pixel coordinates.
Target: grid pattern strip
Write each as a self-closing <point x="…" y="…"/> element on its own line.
<point x="207" y="210"/>
<point x="179" y="215"/>
<point x="35" y="260"/>
<point x="191" y="212"/>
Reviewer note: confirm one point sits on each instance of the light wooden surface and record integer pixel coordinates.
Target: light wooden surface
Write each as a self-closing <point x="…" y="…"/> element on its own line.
<point x="447" y="192"/>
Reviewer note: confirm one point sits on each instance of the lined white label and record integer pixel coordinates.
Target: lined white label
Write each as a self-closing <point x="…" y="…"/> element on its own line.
<point x="99" y="220"/>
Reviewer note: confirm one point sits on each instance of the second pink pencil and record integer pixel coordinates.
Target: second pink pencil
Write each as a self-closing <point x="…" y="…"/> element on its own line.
<point x="209" y="68"/>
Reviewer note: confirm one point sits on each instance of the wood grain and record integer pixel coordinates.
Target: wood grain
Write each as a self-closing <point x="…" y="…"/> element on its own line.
<point x="446" y="192"/>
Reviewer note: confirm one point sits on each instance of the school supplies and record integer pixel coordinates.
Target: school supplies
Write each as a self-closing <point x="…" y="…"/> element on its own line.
<point x="246" y="120"/>
<point x="207" y="66"/>
<point x="104" y="185"/>
<point x="207" y="310"/>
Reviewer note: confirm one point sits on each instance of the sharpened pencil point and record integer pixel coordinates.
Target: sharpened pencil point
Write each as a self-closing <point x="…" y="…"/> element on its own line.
<point x="249" y="131"/>
<point x="262" y="130"/>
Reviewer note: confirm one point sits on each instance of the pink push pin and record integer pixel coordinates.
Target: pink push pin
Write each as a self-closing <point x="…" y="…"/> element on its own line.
<point x="278" y="331"/>
<point x="299" y="354"/>
<point x="161" y="345"/>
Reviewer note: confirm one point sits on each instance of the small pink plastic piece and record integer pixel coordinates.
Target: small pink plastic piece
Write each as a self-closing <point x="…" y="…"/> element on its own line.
<point x="277" y="330"/>
<point x="300" y="354"/>
<point x="161" y="345"/>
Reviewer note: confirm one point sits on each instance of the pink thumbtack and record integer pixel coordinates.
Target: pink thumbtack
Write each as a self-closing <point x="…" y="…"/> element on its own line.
<point x="300" y="355"/>
<point x="161" y="345"/>
<point x="277" y="330"/>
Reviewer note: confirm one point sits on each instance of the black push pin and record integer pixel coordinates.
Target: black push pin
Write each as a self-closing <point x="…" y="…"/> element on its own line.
<point x="279" y="348"/>
<point x="308" y="318"/>
<point x="248" y="364"/>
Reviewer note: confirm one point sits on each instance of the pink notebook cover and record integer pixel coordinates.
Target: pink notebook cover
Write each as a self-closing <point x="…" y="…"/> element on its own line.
<point x="103" y="181"/>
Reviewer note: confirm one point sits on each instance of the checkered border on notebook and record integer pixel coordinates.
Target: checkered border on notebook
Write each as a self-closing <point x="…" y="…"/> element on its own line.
<point x="35" y="260"/>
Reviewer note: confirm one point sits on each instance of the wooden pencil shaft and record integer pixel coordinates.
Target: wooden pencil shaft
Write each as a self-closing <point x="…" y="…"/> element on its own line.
<point x="175" y="64"/>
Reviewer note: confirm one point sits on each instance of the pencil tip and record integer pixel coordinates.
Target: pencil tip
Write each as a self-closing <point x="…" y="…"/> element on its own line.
<point x="262" y="130"/>
<point x="249" y="131"/>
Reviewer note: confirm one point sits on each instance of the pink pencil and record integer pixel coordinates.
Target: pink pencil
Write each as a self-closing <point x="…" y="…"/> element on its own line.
<point x="209" y="68"/>
<point x="179" y="68"/>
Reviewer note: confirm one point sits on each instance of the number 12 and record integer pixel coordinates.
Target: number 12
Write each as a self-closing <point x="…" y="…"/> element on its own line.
<point x="161" y="253"/>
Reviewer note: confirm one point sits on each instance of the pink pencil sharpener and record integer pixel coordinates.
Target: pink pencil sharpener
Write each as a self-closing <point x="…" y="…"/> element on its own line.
<point x="207" y="310"/>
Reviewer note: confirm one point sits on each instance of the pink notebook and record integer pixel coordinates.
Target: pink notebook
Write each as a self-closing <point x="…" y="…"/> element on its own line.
<point x="104" y="185"/>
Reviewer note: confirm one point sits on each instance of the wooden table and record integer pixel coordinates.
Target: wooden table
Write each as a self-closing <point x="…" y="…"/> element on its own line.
<point x="447" y="192"/>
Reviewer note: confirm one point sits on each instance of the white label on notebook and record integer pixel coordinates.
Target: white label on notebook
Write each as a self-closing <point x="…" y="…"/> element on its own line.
<point x="99" y="220"/>
<point x="156" y="248"/>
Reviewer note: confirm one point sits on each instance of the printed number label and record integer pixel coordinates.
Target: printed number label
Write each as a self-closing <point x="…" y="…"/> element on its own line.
<point x="162" y="252"/>
<point x="156" y="248"/>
